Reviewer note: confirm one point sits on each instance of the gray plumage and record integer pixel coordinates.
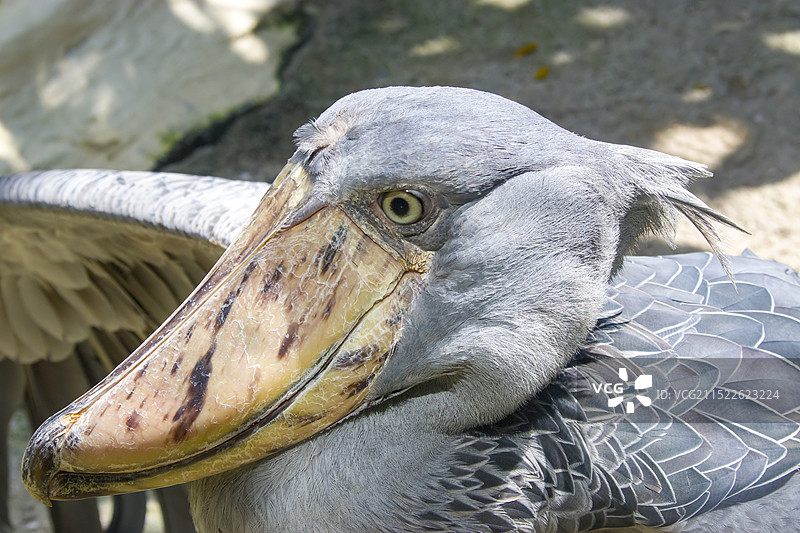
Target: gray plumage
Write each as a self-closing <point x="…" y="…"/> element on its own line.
<point x="485" y="418"/>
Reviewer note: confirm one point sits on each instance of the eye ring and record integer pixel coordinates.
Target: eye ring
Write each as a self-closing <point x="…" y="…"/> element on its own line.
<point x="404" y="207"/>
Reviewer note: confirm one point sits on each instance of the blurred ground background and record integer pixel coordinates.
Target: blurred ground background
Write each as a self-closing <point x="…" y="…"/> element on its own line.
<point x="217" y="87"/>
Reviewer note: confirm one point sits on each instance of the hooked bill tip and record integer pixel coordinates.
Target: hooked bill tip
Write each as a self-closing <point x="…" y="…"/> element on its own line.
<point x="39" y="465"/>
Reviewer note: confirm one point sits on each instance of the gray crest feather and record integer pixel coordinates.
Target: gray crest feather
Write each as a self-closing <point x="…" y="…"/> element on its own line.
<point x="659" y="194"/>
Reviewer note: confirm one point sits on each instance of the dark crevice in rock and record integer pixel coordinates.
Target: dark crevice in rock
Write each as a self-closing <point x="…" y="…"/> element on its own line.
<point x="294" y="14"/>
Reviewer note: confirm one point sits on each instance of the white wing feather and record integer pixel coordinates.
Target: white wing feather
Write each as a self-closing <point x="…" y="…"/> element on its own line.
<point x="85" y="254"/>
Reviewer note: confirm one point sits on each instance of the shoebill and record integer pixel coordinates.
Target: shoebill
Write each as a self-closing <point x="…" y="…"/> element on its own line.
<point x="428" y="323"/>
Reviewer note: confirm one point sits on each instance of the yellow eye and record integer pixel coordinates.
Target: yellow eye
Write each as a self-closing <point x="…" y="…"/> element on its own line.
<point x="403" y="207"/>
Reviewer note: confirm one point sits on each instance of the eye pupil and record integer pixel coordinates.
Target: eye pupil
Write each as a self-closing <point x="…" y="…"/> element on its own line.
<point x="400" y="206"/>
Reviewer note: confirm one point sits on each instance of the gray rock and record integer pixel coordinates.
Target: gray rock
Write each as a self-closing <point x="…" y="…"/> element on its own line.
<point x="89" y="83"/>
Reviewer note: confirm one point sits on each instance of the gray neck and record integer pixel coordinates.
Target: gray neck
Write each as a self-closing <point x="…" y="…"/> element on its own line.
<point x="365" y="471"/>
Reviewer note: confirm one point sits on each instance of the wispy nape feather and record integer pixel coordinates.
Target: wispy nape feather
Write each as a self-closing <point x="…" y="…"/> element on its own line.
<point x="703" y="218"/>
<point x="659" y="192"/>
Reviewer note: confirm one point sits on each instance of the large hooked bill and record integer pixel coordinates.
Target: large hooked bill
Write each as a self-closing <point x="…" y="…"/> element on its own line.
<point x="282" y="339"/>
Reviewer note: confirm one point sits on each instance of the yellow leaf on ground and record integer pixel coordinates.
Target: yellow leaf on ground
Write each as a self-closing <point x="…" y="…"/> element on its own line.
<point x="542" y="72"/>
<point x="526" y="49"/>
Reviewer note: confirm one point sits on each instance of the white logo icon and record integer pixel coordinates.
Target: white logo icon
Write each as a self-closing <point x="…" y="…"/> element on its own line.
<point x="645" y="381"/>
